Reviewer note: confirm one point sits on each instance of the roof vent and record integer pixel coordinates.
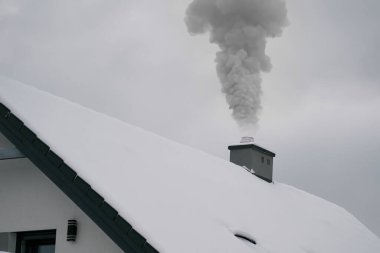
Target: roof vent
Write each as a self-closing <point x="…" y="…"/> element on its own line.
<point x="245" y="238"/>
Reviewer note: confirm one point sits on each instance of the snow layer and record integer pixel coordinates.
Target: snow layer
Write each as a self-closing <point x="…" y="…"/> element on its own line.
<point x="183" y="200"/>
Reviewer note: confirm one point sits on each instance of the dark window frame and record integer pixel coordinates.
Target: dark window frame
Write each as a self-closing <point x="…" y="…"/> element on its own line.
<point x="28" y="242"/>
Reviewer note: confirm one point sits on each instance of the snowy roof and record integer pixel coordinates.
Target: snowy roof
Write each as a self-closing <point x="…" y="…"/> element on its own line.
<point x="182" y="199"/>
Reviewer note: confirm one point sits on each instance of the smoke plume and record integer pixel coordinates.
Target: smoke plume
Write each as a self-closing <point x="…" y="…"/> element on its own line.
<point x="240" y="29"/>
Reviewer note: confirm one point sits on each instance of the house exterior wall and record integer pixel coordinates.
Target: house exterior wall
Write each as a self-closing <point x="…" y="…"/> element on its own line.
<point x="4" y="142"/>
<point x="30" y="201"/>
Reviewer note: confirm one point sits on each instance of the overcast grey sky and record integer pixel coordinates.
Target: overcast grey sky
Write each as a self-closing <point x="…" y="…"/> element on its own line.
<point x="133" y="59"/>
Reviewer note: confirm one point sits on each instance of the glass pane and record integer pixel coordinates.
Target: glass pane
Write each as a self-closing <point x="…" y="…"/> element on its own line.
<point x="46" y="249"/>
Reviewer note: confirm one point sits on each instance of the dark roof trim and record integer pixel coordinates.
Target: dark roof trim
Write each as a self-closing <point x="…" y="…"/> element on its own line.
<point x="78" y="190"/>
<point x="252" y="146"/>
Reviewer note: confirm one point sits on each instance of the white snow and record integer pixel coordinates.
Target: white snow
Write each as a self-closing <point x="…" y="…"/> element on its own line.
<point x="183" y="200"/>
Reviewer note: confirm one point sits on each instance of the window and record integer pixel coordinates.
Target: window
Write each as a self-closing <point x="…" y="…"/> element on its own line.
<point x="262" y="159"/>
<point x="36" y="242"/>
<point x="268" y="161"/>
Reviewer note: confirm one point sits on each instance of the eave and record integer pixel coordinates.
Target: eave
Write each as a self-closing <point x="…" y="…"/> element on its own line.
<point x="76" y="188"/>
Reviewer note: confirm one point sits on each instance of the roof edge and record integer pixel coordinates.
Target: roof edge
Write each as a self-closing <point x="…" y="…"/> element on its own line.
<point x="77" y="189"/>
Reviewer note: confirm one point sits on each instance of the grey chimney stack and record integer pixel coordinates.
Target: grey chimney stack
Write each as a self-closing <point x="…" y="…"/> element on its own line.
<point x="253" y="157"/>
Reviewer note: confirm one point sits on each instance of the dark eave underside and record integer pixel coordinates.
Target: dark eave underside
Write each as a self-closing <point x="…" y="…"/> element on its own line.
<point x="78" y="190"/>
<point x="10" y="153"/>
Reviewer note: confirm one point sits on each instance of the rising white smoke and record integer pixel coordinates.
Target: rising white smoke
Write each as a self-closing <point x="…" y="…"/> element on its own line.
<point x="240" y="29"/>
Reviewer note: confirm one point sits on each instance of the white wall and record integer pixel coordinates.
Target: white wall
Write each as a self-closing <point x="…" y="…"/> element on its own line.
<point x="4" y="142"/>
<point x="30" y="201"/>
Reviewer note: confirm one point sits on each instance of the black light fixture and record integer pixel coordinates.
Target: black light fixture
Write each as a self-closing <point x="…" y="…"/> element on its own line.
<point x="71" y="230"/>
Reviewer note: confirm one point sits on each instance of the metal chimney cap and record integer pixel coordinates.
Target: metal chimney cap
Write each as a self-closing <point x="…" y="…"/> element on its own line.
<point x="247" y="139"/>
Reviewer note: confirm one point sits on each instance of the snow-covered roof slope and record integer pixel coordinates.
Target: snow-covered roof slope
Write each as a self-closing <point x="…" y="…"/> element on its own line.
<point x="183" y="200"/>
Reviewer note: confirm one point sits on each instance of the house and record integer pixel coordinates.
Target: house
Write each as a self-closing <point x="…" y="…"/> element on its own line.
<point x="92" y="183"/>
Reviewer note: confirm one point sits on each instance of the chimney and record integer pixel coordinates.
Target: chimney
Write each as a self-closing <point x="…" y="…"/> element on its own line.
<point x="254" y="158"/>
